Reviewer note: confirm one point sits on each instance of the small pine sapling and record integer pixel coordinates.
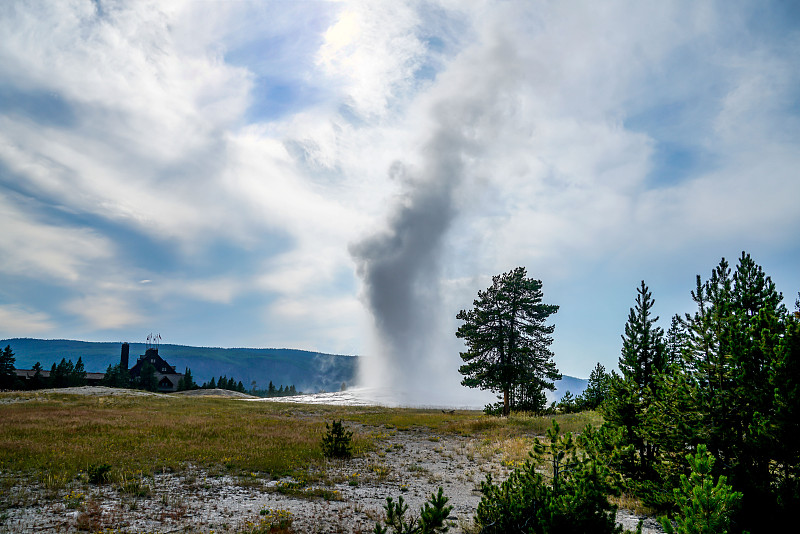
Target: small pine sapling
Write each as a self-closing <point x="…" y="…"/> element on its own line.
<point x="432" y="517"/>
<point x="704" y="507"/>
<point x="337" y="442"/>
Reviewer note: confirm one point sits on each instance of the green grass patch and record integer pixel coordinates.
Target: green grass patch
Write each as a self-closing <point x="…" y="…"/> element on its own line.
<point x="54" y="438"/>
<point x="60" y="436"/>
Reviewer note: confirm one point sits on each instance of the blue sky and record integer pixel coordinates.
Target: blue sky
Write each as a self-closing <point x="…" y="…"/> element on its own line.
<point x="225" y="172"/>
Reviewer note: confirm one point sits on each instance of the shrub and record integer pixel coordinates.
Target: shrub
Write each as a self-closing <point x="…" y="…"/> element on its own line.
<point x="337" y="442"/>
<point x="272" y="521"/>
<point x="431" y="519"/>
<point x="99" y="474"/>
<point x="575" y="502"/>
<point x="703" y="506"/>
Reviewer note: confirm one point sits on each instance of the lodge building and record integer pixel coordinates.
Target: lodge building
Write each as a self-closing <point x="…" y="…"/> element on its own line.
<point x="165" y="373"/>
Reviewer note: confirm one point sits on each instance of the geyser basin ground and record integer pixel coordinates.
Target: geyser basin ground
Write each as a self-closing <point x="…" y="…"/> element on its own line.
<point x="367" y="396"/>
<point x="197" y="464"/>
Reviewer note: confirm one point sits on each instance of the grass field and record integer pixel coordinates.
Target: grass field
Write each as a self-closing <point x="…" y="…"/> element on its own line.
<point x="53" y="437"/>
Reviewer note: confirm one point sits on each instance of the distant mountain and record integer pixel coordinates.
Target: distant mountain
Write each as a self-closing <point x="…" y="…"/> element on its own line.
<point x="576" y="386"/>
<point x="307" y="371"/>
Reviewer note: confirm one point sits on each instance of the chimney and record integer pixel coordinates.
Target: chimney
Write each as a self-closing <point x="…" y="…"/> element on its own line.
<point x="123" y="360"/>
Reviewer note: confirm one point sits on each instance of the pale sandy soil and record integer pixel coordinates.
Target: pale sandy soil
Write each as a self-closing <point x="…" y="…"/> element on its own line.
<point x="412" y="464"/>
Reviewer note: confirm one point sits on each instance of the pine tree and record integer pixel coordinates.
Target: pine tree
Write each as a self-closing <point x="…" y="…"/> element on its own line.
<point x="597" y="389"/>
<point x="62" y="373"/>
<point x="508" y="341"/>
<point x="78" y="375"/>
<point x="641" y="362"/>
<point x="7" y="374"/>
<point x="116" y="377"/>
<point x="37" y="381"/>
<point x="52" y="380"/>
<point x="785" y="419"/>
<point x="188" y="380"/>
<point x="705" y="506"/>
<point x="732" y="344"/>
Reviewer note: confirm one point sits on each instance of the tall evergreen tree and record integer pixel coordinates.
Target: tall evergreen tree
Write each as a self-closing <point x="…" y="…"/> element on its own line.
<point x="116" y="377"/>
<point x="732" y="341"/>
<point x="641" y="362"/>
<point x="508" y="341"/>
<point x="77" y="376"/>
<point x="7" y="374"/>
<point x="62" y="373"/>
<point x="37" y="380"/>
<point x="597" y="389"/>
<point x="784" y="424"/>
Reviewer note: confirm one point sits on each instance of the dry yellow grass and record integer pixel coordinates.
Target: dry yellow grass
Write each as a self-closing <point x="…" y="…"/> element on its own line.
<point x="54" y="437"/>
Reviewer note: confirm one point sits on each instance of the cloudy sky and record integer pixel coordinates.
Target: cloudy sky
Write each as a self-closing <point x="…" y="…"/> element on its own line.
<point x="336" y="176"/>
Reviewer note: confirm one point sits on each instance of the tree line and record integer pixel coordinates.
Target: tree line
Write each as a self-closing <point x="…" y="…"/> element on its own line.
<point x="65" y="374"/>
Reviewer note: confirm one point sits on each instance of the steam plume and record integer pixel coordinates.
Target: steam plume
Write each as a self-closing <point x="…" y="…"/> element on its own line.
<point x="400" y="267"/>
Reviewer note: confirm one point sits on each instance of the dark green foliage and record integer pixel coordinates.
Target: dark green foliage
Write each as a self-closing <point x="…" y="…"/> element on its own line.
<point x="99" y="474"/>
<point x="576" y="500"/>
<point x="704" y="507"/>
<point x="222" y="382"/>
<point x="186" y="382"/>
<point x="78" y="376"/>
<point x="568" y="403"/>
<point x="730" y="381"/>
<point x="337" y="442"/>
<point x="147" y="378"/>
<point x="597" y="390"/>
<point x="7" y="374"/>
<point x="116" y="377"/>
<point x="37" y="381"/>
<point x="66" y="374"/>
<point x="432" y="516"/>
<point x="508" y="342"/>
<point x="784" y="424"/>
<point x="632" y="394"/>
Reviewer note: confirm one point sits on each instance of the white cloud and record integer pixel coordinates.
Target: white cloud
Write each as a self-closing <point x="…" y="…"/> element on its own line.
<point x="373" y="51"/>
<point x="105" y="311"/>
<point x="17" y="321"/>
<point x="31" y="248"/>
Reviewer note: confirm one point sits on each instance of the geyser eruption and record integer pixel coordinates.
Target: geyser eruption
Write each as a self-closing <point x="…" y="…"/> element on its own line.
<point x="400" y="270"/>
<point x="471" y="106"/>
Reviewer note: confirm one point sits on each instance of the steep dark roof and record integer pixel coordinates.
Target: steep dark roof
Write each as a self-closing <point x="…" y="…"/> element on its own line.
<point x="151" y="356"/>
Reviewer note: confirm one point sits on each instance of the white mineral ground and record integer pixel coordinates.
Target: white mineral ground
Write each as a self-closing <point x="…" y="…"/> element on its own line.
<point x="413" y="463"/>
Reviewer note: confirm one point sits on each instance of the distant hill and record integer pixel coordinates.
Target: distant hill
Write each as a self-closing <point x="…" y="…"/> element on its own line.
<point x="307" y="371"/>
<point x="571" y="384"/>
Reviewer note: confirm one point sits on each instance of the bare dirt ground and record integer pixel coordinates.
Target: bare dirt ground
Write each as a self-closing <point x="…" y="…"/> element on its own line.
<point x="346" y="496"/>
